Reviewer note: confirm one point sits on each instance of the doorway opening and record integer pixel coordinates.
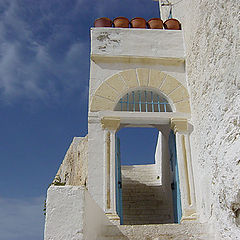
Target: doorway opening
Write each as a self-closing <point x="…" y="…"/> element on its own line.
<point x="145" y="176"/>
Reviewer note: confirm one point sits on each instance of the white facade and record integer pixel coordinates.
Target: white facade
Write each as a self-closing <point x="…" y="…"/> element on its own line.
<point x="198" y="65"/>
<point x="211" y="35"/>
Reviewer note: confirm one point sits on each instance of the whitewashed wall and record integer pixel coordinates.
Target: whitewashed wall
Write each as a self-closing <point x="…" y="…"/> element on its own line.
<point x="114" y="50"/>
<point x="65" y="211"/>
<point x="73" y="214"/>
<point x="73" y="170"/>
<point x="159" y="157"/>
<point x="96" y="162"/>
<point x="211" y="31"/>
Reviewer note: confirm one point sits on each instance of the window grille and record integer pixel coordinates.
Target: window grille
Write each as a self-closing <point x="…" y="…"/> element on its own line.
<point x="143" y="101"/>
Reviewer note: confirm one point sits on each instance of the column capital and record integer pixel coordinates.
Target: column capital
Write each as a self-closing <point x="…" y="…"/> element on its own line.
<point x="110" y="123"/>
<point x="179" y="124"/>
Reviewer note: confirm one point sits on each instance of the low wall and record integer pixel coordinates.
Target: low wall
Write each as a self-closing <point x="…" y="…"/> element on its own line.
<point x="65" y="213"/>
<point x="73" y="170"/>
<point x="73" y="215"/>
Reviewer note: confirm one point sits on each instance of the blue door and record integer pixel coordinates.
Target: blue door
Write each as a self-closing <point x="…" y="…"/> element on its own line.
<point x="118" y="179"/>
<point x="177" y="208"/>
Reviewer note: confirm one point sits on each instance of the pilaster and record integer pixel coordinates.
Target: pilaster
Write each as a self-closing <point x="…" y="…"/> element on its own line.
<point x="110" y="126"/>
<point x="188" y="198"/>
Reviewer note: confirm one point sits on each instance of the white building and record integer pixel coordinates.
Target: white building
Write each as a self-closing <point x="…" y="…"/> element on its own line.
<point x="186" y="84"/>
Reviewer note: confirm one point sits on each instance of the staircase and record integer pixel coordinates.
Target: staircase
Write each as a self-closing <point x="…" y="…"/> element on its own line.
<point x="186" y="231"/>
<point x="144" y="199"/>
<point x="146" y="206"/>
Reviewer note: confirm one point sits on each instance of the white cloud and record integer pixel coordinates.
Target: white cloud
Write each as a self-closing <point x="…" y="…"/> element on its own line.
<point x="34" y="64"/>
<point x="21" y="219"/>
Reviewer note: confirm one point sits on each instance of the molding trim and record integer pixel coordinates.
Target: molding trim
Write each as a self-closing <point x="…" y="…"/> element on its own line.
<point x="110" y="123"/>
<point x="137" y="59"/>
<point x="179" y="125"/>
<point x="108" y="142"/>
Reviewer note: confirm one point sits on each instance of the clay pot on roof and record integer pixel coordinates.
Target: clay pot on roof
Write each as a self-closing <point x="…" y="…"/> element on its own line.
<point x="138" y="22"/>
<point x="155" y="23"/>
<point x="172" y="24"/>
<point x="103" y="22"/>
<point x="121" y="22"/>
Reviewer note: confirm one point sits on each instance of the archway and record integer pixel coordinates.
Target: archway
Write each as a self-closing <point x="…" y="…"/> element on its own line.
<point x="103" y="103"/>
<point x="108" y="94"/>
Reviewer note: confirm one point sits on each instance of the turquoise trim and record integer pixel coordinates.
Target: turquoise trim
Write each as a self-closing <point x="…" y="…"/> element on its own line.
<point x="176" y="194"/>
<point x="118" y="179"/>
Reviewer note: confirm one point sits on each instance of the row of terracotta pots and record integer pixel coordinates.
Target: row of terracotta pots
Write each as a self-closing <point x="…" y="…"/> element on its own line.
<point x="153" y="23"/>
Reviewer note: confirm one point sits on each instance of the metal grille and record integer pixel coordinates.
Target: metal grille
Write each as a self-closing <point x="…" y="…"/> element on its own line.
<point x="143" y="101"/>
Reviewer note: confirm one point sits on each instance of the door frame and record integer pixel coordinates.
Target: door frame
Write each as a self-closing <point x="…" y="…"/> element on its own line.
<point x="178" y="122"/>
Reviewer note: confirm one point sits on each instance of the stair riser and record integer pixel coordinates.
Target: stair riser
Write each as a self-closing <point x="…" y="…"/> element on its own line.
<point x="145" y="212"/>
<point x="126" y="197"/>
<point x="194" y="231"/>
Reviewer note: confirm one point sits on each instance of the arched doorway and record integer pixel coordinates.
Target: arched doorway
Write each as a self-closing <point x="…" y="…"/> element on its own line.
<point x="107" y="115"/>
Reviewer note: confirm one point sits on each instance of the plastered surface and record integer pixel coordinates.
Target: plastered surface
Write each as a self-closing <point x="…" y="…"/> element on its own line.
<point x="73" y="170"/>
<point x="65" y="213"/>
<point x="125" y="42"/>
<point x="211" y="32"/>
<point x="114" y="50"/>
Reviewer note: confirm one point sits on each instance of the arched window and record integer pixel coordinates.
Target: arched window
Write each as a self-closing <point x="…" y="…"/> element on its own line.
<point x="143" y="101"/>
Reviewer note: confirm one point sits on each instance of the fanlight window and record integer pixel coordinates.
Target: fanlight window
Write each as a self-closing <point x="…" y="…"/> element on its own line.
<point x="143" y="101"/>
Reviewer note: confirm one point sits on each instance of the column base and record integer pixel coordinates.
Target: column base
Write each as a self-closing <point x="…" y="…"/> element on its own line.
<point x="114" y="218"/>
<point x="192" y="217"/>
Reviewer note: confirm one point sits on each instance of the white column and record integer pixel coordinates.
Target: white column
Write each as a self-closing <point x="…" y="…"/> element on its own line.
<point x="110" y="125"/>
<point x="188" y="199"/>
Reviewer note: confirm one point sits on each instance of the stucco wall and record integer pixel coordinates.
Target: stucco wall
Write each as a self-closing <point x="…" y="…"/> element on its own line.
<point x="73" y="214"/>
<point x="211" y="30"/>
<point x="65" y="213"/>
<point x="114" y="50"/>
<point x="73" y="170"/>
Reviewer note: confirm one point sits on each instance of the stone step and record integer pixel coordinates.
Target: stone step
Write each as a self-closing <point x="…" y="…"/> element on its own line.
<point x="153" y="217"/>
<point x="139" y="173"/>
<point x="133" y="198"/>
<point x="146" y="171"/>
<point x="141" y="188"/>
<point x="143" y="197"/>
<point x="130" y="193"/>
<point x="126" y="208"/>
<point x="133" y="193"/>
<point x="112" y="238"/>
<point x="139" y="183"/>
<point x="142" y="202"/>
<point x="144" y="211"/>
<point x="183" y="231"/>
<point x="147" y="221"/>
<point x="135" y="167"/>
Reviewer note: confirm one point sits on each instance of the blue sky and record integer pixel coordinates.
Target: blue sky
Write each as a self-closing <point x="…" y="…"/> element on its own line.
<point x="44" y="71"/>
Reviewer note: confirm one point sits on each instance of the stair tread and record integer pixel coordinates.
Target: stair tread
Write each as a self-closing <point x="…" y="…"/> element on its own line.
<point x="184" y="231"/>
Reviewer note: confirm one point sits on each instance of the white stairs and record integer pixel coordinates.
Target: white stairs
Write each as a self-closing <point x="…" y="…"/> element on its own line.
<point x="147" y="211"/>
<point x="143" y="198"/>
<point x="186" y="231"/>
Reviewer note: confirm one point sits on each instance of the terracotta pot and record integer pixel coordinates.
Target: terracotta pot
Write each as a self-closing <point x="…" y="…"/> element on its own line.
<point x="121" y="22"/>
<point x="103" y="22"/>
<point x="155" y="23"/>
<point x="173" y="24"/>
<point x="138" y="22"/>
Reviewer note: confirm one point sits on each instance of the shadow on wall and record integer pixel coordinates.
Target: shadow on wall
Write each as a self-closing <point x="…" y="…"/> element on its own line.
<point x="97" y="224"/>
